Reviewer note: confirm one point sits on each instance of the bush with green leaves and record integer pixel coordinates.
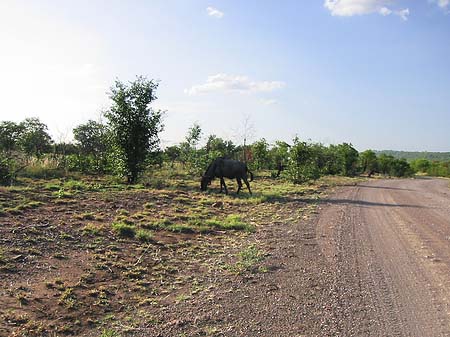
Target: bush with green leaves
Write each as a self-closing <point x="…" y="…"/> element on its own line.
<point x="368" y="162"/>
<point x="92" y="141"/>
<point x="302" y="165"/>
<point x="6" y="170"/>
<point x="420" y="165"/>
<point x="34" y="139"/>
<point x="134" y="125"/>
<point x="260" y="152"/>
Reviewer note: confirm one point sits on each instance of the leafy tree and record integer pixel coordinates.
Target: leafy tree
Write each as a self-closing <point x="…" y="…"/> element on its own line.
<point x="193" y="136"/>
<point x="385" y="163"/>
<point x="260" y="150"/>
<point x="369" y="162"/>
<point x="91" y="137"/>
<point x="188" y="148"/>
<point x="400" y="168"/>
<point x="5" y="170"/>
<point x="34" y="138"/>
<point x="302" y="164"/>
<point x="421" y="165"/>
<point x="9" y="136"/>
<point x="279" y="157"/>
<point x="92" y="140"/>
<point x="347" y="158"/>
<point x="134" y="124"/>
<point x="217" y="147"/>
<point x="172" y="153"/>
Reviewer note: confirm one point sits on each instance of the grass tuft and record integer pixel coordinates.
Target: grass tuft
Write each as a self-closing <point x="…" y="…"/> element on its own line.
<point x="144" y="235"/>
<point x="231" y="222"/>
<point x="124" y="229"/>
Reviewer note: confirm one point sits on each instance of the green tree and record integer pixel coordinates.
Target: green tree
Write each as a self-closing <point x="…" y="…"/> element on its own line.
<point x="260" y="151"/>
<point x="302" y="164"/>
<point x="91" y="139"/>
<point x="134" y="125"/>
<point x="369" y="162"/>
<point x="420" y="165"/>
<point x="347" y="158"/>
<point x="217" y="147"/>
<point x="172" y="153"/>
<point x="9" y="136"/>
<point x="34" y="138"/>
<point x="189" y="146"/>
<point x="385" y="163"/>
<point x="195" y="159"/>
<point x="400" y="168"/>
<point x="279" y="157"/>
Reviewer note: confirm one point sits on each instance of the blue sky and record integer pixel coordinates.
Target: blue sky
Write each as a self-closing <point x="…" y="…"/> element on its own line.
<point x="375" y="73"/>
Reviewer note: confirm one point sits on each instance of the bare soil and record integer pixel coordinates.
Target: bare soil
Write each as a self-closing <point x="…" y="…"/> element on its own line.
<point x="374" y="261"/>
<point x="371" y="259"/>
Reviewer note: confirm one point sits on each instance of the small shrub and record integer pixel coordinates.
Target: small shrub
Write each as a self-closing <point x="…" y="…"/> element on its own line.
<point x="109" y="333"/>
<point x="249" y="258"/>
<point x="76" y="185"/>
<point x="91" y="229"/>
<point x="52" y="187"/>
<point x="148" y="205"/>
<point x="124" y="229"/>
<point x="61" y="193"/>
<point x="144" y="235"/>
<point x="86" y="216"/>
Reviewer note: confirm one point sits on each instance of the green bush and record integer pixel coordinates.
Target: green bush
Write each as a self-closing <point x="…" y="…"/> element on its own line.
<point x="123" y="229"/>
<point x="144" y="235"/>
<point x="5" y="171"/>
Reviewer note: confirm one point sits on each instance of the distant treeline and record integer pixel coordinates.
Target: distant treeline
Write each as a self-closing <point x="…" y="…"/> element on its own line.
<point x="127" y="145"/>
<point x="411" y="155"/>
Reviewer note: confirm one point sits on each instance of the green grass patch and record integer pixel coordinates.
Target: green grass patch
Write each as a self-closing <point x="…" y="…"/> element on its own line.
<point x="52" y="187"/>
<point x="148" y="205"/>
<point x="2" y="256"/>
<point x="123" y="212"/>
<point x="158" y="224"/>
<point x="123" y="229"/>
<point x="248" y="260"/>
<point x="109" y="333"/>
<point x="181" y="228"/>
<point x="86" y="216"/>
<point x="91" y="229"/>
<point x="68" y="298"/>
<point x="62" y="193"/>
<point x="144" y="235"/>
<point x="231" y="222"/>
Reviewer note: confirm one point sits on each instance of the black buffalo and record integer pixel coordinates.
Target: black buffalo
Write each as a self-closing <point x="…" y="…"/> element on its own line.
<point x="226" y="168"/>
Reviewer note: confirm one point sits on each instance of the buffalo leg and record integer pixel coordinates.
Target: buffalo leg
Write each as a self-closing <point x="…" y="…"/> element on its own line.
<point x="248" y="185"/>
<point x="222" y="182"/>
<point x="239" y="184"/>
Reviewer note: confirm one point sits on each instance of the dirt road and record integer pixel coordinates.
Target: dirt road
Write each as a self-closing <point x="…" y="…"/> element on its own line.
<point x="374" y="261"/>
<point x="388" y="245"/>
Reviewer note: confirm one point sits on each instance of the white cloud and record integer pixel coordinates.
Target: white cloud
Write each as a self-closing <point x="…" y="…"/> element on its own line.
<point x="362" y="7"/>
<point x="214" y="12"/>
<point x="385" y="11"/>
<point x="232" y="83"/>
<point x="403" y="13"/>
